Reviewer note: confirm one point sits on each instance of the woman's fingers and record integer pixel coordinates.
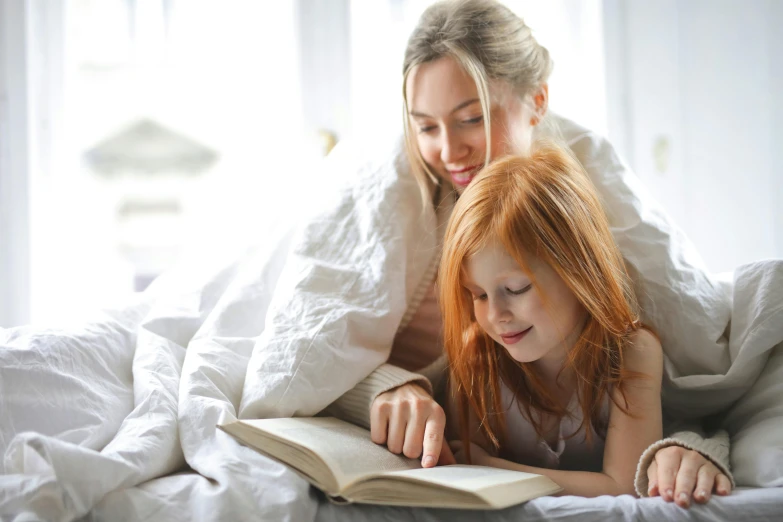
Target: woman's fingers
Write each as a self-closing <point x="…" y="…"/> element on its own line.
<point x="652" y="479"/>
<point x="414" y="434"/>
<point x="690" y="465"/>
<point x="722" y="484"/>
<point x="705" y="482"/>
<point x="409" y="421"/>
<point x="379" y="420"/>
<point x="433" y="436"/>
<point x="398" y="421"/>
<point x="681" y="475"/>
<point x="668" y="460"/>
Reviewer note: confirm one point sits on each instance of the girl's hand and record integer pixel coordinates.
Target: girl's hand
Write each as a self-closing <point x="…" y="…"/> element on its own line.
<point x="478" y="455"/>
<point x="678" y="474"/>
<point x="410" y="422"/>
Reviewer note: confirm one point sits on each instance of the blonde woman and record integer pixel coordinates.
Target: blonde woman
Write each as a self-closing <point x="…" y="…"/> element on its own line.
<point x="474" y="89"/>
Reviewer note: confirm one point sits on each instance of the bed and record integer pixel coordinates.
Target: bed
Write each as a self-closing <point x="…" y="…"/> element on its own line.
<point x="114" y="418"/>
<point x="745" y="504"/>
<point x="171" y="499"/>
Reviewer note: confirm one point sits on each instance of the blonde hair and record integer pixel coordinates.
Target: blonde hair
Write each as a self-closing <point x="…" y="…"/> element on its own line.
<point x="490" y="42"/>
<point x="544" y="206"/>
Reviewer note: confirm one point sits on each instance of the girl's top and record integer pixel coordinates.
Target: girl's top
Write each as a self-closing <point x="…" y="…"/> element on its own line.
<point x="569" y="450"/>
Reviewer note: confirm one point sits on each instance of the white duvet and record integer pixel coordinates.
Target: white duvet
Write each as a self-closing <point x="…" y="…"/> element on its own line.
<point x="89" y="415"/>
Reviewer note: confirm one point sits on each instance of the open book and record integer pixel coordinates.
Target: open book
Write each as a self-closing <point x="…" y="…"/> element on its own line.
<point x="341" y="460"/>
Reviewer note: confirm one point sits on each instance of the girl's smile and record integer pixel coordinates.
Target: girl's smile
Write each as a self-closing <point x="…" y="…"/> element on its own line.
<point x="514" y="338"/>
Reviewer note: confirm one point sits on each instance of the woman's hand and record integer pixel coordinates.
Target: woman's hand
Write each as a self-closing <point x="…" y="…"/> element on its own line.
<point x="478" y="455"/>
<point x="678" y="474"/>
<point x="410" y="422"/>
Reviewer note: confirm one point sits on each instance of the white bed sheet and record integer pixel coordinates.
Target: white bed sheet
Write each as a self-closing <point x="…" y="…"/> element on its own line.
<point x="746" y="505"/>
<point x="170" y="498"/>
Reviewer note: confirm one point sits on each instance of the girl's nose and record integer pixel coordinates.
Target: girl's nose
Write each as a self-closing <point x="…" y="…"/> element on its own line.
<point x="498" y="311"/>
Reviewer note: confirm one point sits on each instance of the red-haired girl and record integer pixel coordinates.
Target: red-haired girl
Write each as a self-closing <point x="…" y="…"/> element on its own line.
<point x="551" y="371"/>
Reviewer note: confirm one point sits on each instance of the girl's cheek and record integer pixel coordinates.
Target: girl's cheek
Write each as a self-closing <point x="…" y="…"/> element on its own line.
<point x="481" y="316"/>
<point x="530" y="307"/>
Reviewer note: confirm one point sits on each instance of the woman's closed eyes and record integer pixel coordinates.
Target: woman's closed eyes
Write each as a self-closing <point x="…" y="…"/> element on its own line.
<point x="426" y="129"/>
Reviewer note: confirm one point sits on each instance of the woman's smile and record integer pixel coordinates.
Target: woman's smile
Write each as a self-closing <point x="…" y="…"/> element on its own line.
<point x="464" y="176"/>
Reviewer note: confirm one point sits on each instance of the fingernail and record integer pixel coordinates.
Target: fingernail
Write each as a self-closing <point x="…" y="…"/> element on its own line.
<point x="669" y="494"/>
<point x="684" y="498"/>
<point x="429" y="461"/>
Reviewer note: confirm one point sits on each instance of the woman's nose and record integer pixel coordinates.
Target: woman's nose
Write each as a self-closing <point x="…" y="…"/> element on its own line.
<point x="453" y="148"/>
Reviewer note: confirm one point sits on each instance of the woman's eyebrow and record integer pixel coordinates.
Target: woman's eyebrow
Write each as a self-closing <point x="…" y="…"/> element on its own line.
<point x="462" y="105"/>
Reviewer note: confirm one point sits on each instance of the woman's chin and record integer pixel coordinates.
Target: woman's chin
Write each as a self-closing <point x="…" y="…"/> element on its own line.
<point x="459" y="189"/>
<point x="447" y="183"/>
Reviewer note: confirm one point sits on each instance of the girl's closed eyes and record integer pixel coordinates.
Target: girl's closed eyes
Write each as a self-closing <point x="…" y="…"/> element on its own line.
<point x="483" y="296"/>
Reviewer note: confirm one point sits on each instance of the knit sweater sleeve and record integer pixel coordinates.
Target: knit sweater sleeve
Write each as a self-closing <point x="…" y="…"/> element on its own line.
<point x="714" y="448"/>
<point x="354" y="405"/>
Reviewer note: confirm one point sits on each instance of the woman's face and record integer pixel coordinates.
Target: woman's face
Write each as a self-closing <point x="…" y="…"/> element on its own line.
<point x="446" y="118"/>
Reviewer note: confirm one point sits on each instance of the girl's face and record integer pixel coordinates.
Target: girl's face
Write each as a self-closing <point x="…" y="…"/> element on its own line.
<point x="513" y="312"/>
<point x="446" y="118"/>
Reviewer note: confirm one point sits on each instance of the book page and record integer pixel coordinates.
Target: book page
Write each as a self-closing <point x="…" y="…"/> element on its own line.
<point x="467" y="478"/>
<point x="497" y="488"/>
<point x="457" y="486"/>
<point x="346" y="449"/>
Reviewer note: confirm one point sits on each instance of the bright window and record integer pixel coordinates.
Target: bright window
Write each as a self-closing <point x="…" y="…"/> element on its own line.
<point x="179" y="122"/>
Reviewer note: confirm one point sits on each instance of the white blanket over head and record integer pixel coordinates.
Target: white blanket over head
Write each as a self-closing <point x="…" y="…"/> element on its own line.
<point x="89" y="414"/>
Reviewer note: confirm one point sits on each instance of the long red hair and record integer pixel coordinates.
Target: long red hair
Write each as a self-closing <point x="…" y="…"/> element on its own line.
<point x="545" y="206"/>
